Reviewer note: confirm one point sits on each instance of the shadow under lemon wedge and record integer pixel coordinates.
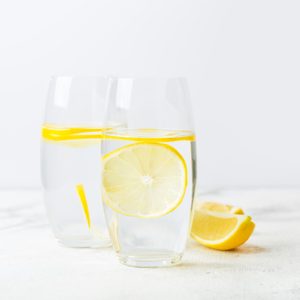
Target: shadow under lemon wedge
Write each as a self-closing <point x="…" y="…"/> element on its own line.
<point x="219" y="226"/>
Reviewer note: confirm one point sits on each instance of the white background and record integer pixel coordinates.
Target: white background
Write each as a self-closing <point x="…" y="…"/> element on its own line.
<point x="242" y="60"/>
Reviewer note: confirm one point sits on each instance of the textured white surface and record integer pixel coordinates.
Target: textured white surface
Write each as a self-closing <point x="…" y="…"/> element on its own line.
<point x="33" y="266"/>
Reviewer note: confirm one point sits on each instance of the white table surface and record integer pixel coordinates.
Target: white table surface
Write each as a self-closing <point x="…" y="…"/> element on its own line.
<point x="33" y="266"/>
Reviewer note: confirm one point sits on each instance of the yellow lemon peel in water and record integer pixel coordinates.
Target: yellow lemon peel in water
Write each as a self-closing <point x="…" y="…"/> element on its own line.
<point x="52" y="133"/>
<point x="94" y="230"/>
<point x="150" y="135"/>
<point x="221" y="230"/>
<point x="82" y="197"/>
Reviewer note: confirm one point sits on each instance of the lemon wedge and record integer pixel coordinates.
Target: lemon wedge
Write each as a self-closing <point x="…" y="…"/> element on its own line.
<point x="144" y="180"/>
<point x="214" y="206"/>
<point x="219" y="230"/>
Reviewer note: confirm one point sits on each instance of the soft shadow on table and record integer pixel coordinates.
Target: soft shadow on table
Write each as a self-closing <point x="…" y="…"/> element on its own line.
<point x="244" y="249"/>
<point x="249" y="249"/>
<point x="209" y="259"/>
<point x="203" y="265"/>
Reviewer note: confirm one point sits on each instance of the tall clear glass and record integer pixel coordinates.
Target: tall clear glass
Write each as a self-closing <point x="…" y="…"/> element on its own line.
<point x="71" y="160"/>
<point x="149" y="170"/>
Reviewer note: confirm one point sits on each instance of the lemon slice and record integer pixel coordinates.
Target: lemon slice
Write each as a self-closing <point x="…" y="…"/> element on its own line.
<point x="222" y="231"/>
<point x="145" y="180"/>
<point x="214" y="206"/>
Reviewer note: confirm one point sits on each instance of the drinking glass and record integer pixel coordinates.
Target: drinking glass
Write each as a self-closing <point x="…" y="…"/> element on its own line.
<point x="149" y="170"/>
<point x="71" y="160"/>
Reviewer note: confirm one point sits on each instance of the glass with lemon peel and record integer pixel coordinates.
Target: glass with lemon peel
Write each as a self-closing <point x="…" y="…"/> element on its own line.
<point x="71" y="160"/>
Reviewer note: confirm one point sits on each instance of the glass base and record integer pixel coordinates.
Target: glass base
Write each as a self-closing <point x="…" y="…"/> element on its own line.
<point x="151" y="259"/>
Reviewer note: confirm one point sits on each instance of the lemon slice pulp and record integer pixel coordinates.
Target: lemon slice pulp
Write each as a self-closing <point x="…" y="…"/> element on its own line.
<point x="145" y="180"/>
<point x="219" y="230"/>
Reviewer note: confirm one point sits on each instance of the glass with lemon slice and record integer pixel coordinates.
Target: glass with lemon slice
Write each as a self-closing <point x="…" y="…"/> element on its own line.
<point x="71" y="160"/>
<point x="149" y="170"/>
